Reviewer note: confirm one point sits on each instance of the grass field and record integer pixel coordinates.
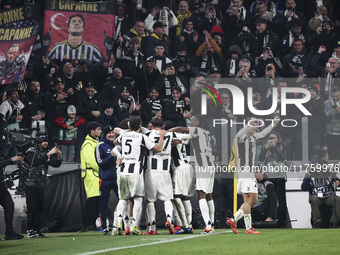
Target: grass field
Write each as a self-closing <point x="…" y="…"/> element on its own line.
<point x="270" y="241"/>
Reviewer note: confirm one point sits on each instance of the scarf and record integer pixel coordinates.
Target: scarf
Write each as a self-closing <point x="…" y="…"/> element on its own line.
<point x="180" y="19"/>
<point x="243" y="13"/>
<point x="208" y="63"/>
<point x="11" y="116"/>
<point x="179" y="105"/>
<point x="118" y="27"/>
<point x="155" y="106"/>
<point x="293" y="37"/>
<point x="138" y="36"/>
<point x="124" y="104"/>
<point x="232" y="68"/>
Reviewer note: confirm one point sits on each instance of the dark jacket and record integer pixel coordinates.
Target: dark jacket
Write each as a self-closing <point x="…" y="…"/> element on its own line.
<point x="87" y="104"/>
<point x="39" y="162"/>
<point x="106" y="163"/>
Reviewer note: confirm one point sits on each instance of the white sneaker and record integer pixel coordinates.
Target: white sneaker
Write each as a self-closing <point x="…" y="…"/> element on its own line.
<point x="114" y="231"/>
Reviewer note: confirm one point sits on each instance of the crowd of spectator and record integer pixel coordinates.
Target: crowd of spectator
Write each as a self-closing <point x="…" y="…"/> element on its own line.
<point x="160" y="45"/>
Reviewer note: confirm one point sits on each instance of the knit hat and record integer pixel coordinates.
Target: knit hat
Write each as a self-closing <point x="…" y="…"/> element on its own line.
<point x="88" y="83"/>
<point x="57" y="80"/>
<point x="107" y="129"/>
<point x="216" y="30"/>
<point x="71" y="109"/>
<point x="153" y="88"/>
<point x="158" y="24"/>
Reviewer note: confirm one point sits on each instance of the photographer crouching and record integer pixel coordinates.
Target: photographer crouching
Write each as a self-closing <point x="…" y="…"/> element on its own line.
<point x="6" y="200"/>
<point x="38" y="158"/>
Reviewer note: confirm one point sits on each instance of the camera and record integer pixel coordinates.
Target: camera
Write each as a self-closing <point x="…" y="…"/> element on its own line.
<point x="242" y="69"/>
<point x="290" y="8"/>
<point x="270" y="138"/>
<point x="211" y="9"/>
<point x="266" y="49"/>
<point x="234" y="6"/>
<point x="269" y="68"/>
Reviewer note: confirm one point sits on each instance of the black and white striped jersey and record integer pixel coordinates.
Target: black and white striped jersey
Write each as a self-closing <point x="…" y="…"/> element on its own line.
<point x="179" y="155"/>
<point x="247" y="145"/>
<point x="133" y="151"/>
<point x="160" y="161"/>
<point x="202" y="147"/>
<point x="84" y="51"/>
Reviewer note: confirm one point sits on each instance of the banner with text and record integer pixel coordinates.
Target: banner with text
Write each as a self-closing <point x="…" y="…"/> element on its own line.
<point x="18" y="31"/>
<point x="78" y="30"/>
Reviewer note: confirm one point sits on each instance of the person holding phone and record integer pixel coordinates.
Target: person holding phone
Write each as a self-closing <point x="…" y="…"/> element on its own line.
<point x="209" y="20"/>
<point x="235" y="18"/>
<point x="297" y="63"/>
<point x="289" y="16"/>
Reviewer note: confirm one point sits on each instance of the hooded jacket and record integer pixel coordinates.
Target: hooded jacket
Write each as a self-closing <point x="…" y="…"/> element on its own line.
<point x="89" y="167"/>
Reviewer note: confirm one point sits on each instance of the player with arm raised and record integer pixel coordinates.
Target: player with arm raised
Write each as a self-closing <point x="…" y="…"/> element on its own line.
<point x="246" y="184"/>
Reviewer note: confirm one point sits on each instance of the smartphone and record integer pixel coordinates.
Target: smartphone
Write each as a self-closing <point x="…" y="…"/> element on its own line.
<point x="269" y="68"/>
<point x="328" y="64"/>
<point x="234" y="6"/>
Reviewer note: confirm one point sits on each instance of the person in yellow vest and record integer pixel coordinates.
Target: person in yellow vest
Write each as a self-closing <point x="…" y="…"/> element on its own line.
<point x="90" y="175"/>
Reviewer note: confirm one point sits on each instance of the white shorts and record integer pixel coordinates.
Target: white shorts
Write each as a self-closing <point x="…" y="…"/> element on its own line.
<point x="246" y="185"/>
<point x="130" y="185"/>
<point x="158" y="185"/>
<point x="204" y="180"/>
<point x="183" y="180"/>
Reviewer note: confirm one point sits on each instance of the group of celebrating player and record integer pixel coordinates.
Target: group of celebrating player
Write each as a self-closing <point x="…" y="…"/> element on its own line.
<point x="144" y="158"/>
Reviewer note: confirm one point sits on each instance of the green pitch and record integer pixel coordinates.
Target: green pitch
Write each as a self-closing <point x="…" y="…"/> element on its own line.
<point x="270" y="241"/>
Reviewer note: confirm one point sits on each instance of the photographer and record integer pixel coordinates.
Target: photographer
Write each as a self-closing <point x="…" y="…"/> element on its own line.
<point x="321" y="189"/>
<point x="11" y="114"/>
<point x="39" y="158"/>
<point x="6" y="200"/>
<point x="332" y="115"/>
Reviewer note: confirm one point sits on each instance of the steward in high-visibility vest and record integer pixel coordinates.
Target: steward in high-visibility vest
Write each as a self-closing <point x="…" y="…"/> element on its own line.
<point x="90" y="174"/>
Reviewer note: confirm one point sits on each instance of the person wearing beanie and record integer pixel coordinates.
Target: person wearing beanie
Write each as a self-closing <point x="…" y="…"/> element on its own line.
<point x="127" y="105"/>
<point x="151" y="107"/>
<point x="68" y="126"/>
<point x="233" y="56"/>
<point x="56" y="101"/>
<point x="11" y="114"/>
<point x="109" y="115"/>
<point x="107" y="173"/>
<point x="183" y="64"/>
<point x="189" y="36"/>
